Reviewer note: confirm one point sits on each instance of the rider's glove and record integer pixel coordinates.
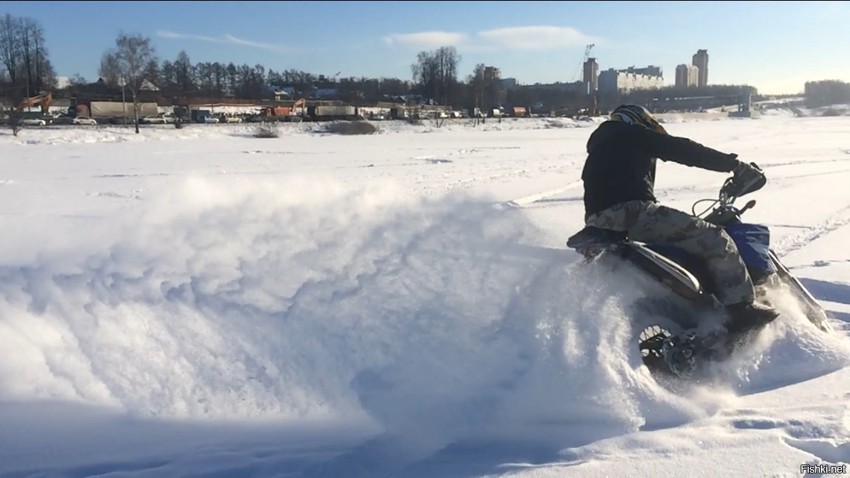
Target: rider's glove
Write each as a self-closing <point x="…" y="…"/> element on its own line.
<point x="744" y="170"/>
<point x="748" y="174"/>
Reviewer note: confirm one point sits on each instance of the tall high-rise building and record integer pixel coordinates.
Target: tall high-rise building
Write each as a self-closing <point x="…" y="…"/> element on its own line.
<point x="591" y="76"/>
<point x="700" y="60"/>
<point x="686" y="76"/>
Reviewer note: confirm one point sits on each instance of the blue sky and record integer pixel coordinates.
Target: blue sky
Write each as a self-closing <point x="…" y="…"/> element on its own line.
<point x="775" y="46"/>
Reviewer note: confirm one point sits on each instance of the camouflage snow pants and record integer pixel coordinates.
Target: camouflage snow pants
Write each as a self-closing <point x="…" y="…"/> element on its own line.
<point x="649" y="222"/>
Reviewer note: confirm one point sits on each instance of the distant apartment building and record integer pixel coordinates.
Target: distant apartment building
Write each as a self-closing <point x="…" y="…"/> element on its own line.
<point x="497" y="92"/>
<point x="624" y="81"/>
<point x="700" y="60"/>
<point x="576" y="87"/>
<point x="590" y="79"/>
<point x="650" y="70"/>
<point x="509" y="83"/>
<point x="491" y="73"/>
<point x="687" y="76"/>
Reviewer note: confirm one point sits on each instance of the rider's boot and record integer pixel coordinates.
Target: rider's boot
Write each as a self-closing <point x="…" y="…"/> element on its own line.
<point x="745" y="317"/>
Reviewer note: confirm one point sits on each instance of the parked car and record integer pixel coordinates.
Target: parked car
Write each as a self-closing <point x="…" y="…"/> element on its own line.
<point x="63" y="120"/>
<point x="84" y="120"/>
<point x="32" y="122"/>
<point x="152" y="120"/>
<point x="210" y="119"/>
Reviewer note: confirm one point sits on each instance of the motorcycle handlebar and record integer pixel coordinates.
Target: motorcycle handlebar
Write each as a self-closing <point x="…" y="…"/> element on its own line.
<point x="740" y="185"/>
<point x="734" y="187"/>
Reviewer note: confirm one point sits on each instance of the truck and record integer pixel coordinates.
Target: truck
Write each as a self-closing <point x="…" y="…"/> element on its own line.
<point x="332" y="112"/>
<point x="294" y="112"/>
<point x="114" y="112"/>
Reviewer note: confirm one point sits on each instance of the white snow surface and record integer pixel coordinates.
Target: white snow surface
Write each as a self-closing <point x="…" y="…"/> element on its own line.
<point x="199" y="302"/>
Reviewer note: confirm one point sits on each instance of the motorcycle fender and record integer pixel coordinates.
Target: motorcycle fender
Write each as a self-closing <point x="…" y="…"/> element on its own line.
<point x="784" y="272"/>
<point x="815" y="313"/>
<point x="668" y="272"/>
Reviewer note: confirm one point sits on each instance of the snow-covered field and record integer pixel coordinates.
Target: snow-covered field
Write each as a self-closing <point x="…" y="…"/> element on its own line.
<point x="199" y="302"/>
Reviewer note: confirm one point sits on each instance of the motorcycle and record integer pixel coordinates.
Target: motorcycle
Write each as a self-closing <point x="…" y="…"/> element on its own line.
<point x="673" y="345"/>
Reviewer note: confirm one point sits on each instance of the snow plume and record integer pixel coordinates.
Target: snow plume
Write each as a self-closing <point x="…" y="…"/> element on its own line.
<point x="300" y="298"/>
<point x="791" y="349"/>
<point x="309" y="299"/>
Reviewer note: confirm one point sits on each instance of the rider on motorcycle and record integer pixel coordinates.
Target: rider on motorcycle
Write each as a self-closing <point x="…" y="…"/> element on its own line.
<point x="619" y="179"/>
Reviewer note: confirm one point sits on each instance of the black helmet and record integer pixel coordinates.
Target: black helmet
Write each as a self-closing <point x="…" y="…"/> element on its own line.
<point x="637" y="115"/>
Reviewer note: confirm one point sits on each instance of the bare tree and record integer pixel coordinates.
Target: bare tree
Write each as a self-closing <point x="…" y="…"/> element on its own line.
<point x="184" y="73"/>
<point x="425" y="73"/>
<point x="78" y="79"/>
<point x="27" y="50"/>
<point x="129" y="60"/>
<point x="478" y="85"/>
<point x="109" y="69"/>
<point x="448" y="60"/>
<point x="33" y="54"/>
<point x="152" y="72"/>
<point x="10" y="51"/>
<point x="24" y="54"/>
<point x="436" y="73"/>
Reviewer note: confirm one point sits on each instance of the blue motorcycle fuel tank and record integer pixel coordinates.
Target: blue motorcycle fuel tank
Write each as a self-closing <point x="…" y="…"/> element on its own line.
<point x="753" y="242"/>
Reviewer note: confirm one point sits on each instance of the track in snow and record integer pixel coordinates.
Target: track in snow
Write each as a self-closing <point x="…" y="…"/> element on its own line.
<point x="810" y="234"/>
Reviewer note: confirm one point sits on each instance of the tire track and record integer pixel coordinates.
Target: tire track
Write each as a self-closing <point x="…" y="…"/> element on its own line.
<point x="793" y="243"/>
<point x="806" y="162"/>
<point x="526" y="200"/>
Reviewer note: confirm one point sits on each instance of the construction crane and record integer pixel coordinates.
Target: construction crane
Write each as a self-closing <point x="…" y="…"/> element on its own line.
<point x="579" y="76"/>
<point x="587" y="52"/>
<point x="590" y="106"/>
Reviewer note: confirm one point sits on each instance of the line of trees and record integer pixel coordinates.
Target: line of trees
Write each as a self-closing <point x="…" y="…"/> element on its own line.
<point x="26" y="64"/>
<point x="435" y="77"/>
<point x="180" y="77"/>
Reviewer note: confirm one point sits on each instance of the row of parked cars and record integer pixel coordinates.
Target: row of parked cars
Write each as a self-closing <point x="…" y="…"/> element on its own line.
<point x="158" y="119"/>
<point x="59" y="120"/>
<point x="82" y="120"/>
<point x="170" y="119"/>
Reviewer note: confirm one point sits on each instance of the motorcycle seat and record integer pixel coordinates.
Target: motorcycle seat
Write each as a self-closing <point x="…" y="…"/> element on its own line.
<point x="594" y="236"/>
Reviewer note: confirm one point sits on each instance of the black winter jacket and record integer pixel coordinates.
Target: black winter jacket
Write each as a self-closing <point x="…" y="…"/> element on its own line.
<point x="620" y="165"/>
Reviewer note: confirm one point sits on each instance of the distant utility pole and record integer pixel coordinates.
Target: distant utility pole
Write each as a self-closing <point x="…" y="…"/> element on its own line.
<point x="123" y="101"/>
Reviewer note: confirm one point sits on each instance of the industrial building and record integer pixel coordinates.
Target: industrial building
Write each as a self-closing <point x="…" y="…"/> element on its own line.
<point x="613" y="81"/>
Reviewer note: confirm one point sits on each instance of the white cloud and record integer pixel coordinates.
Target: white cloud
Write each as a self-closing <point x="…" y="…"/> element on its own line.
<point x="241" y="41"/>
<point x="224" y="39"/>
<point x="426" y="39"/>
<point x="183" y="36"/>
<point x="534" y="37"/>
<point x="510" y="38"/>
